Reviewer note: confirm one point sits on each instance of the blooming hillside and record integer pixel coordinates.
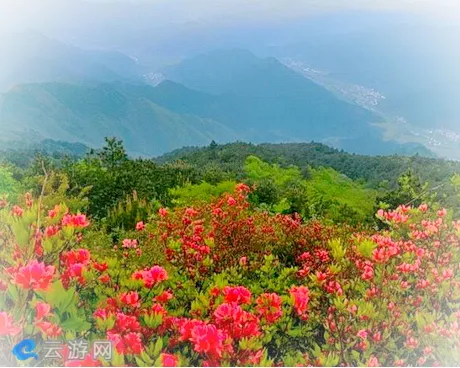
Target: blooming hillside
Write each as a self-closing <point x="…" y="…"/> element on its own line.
<point x="223" y="283"/>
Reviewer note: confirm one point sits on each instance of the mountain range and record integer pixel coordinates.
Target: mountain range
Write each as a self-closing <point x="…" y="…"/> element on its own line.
<point x="30" y="57"/>
<point x="224" y="95"/>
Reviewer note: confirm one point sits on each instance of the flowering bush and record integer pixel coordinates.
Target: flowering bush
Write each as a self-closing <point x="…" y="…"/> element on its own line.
<point x="224" y="284"/>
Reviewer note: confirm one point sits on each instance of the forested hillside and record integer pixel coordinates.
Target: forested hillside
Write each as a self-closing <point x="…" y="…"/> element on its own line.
<point x="312" y="179"/>
<point x="234" y="255"/>
<point x="372" y="169"/>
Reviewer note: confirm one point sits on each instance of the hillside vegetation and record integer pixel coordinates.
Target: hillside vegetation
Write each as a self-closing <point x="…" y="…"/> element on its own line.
<point x="238" y="262"/>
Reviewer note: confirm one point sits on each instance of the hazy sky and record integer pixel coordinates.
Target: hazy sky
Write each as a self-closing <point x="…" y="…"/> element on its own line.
<point x="42" y="14"/>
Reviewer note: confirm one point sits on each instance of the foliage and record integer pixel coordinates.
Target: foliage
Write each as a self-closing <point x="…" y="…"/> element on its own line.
<point x="205" y="191"/>
<point x="372" y="169"/>
<point x="221" y="283"/>
<point x="8" y="185"/>
<point x="111" y="177"/>
<point x="258" y="170"/>
<point x="126" y="214"/>
<point x="325" y="194"/>
<point x="287" y="178"/>
<point x="334" y="196"/>
<point x="409" y="191"/>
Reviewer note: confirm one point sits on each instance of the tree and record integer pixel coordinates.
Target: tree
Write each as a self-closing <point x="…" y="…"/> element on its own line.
<point x="410" y="190"/>
<point x="112" y="155"/>
<point x="8" y="186"/>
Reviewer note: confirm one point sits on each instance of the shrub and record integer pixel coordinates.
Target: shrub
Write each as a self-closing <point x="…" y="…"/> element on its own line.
<point x="222" y="284"/>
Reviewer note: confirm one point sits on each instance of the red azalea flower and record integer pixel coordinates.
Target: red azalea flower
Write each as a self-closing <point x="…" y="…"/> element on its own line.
<point x="428" y="350"/>
<point x="71" y="257"/>
<point x="227" y="314"/>
<point x="362" y="334"/>
<point x="423" y="207"/>
<point x="117" y="341"/>
<point x="49" y="329"/>
<point x="191" y="212"/>
<point x="101" y="267"/>
<point x="133" y="343"/>
<point x="38" y="248"/>
<point x="105" y="279"/>
<point x="246" y="326"/>
<point x="42" y="310"/>
<point x="442" y="212"/>
<point x="76" y="271"/>
<point x="238" y="294"/>
<point x="377" y="336"/>
<point x="421" y="361"/>
<point x="301" y="299"/>
<point x="51" y="231"/>
<point x="158" y="309"/>
<point x="169" y="360"/>
<point x="101" y="314"/>
<point x="242" y="188"/>
<point x="269" y="307"/>
<point x="126" y="323"/>
<point x="186" y="327"/>
<point x="140" y="226"/>
<point x="411" y="343"/>
<point x="447" y="274"/>
<point x="76" y="221"/>
<point x="163" y="212"/>
<point x="231" y="201"/>
<point x="6" y="325"/>
<point x="129" y="243"/>
<point x="373" y="362"/>
<point x="323" y="255"/>
<point x="52" y="213"/>
<point x="151" y="276"/>
<point x="208" y="339"/>
<point x="368" y="273"/>
<point x="75" y="262"/>
<point x="131" y="299"/>
<point x="17" y="211"/>
<point x="35" y="275"/>
<point x="164" y="297"/>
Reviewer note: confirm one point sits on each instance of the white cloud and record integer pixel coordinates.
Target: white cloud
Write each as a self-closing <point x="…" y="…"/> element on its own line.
<point x="17" y="14"/>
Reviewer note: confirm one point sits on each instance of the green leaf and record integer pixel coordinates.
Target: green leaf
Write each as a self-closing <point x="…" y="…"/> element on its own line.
<point x="158" y="362"/>
<point x="75" y="324"/>
<point x="366" y="247"/>
<point x="140" y="362"/>
<point x="337" y="250"/>
<point x="295" y="332"/>
<point x="158" y="347"/>
<point x="13" y="292"/>
<point x="118" y="360"/>
<point x="58" y="297"/>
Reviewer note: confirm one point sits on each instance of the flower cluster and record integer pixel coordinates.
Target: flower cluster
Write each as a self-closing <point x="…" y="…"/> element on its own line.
<point x="151" y="276"/>
<point x="222" y="284"/>
<point x="34" y="275"/>
<point x="73" y="264"/>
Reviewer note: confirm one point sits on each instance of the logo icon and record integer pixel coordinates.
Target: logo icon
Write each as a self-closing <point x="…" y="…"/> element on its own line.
<point x="25" y="350"/>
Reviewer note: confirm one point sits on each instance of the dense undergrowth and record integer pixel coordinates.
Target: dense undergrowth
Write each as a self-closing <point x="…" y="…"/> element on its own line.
<point x="223" y="283"/>
<point x="235" y="262"/>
